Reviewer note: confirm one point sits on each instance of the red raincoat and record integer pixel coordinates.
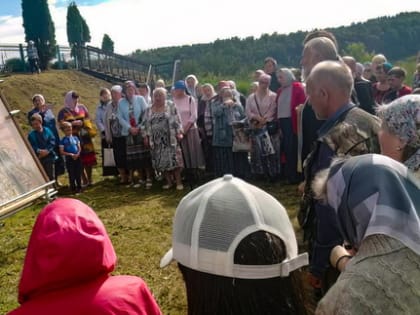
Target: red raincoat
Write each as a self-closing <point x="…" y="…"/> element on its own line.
<point x="67" y="268"/>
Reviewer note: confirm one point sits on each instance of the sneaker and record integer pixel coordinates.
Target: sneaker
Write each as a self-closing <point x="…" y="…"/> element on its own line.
<point x="180" y="187"/>
<point x="138" y="185"/>
<point x="166" y="186"/>
<point x="149" y="183"/>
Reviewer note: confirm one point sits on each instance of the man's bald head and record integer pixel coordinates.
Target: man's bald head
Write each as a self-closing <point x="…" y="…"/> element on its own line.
<point x="329" y="87"/>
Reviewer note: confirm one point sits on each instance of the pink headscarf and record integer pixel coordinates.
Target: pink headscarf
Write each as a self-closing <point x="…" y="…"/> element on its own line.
<point x="69" y="103"/>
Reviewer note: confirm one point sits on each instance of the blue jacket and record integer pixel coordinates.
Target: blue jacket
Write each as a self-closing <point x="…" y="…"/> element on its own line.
<point x="222" y="117"/>
<point x="44" y="140"/>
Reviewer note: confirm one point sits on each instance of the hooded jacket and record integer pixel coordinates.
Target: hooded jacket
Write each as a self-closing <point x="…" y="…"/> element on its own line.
<point x="68" y="264"/>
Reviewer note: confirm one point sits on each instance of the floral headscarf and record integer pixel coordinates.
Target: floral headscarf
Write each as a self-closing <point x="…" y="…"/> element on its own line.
<point x="402" y="118"/>
<point x="374" y="194"/>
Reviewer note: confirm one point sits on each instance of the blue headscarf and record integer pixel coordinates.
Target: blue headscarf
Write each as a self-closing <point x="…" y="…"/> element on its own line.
<point x="374" y="194"/>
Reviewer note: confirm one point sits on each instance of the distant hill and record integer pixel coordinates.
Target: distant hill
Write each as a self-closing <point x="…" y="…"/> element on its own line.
<point x="398" y="37"/>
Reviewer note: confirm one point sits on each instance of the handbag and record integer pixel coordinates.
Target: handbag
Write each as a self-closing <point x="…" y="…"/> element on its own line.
<point x="272" y="127"/>
<point x="241" y="140"/>
<point x="88" y="128"/>
<point x="109" y="157"/>
<point x="264" y="142"/>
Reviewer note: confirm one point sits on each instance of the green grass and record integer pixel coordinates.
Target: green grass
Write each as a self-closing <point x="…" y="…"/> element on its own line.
<point x="139" y="222"/>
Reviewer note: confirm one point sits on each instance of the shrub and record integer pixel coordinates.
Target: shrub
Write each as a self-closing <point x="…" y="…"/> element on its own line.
<point x="15" y="65"/>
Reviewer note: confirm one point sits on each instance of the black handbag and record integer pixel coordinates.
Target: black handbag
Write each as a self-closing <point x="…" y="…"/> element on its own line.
<point x="272" y="127"/>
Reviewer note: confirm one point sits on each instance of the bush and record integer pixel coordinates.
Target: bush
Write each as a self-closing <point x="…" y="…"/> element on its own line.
<point x="64" y="65"/>
<point x="15" y="65"/>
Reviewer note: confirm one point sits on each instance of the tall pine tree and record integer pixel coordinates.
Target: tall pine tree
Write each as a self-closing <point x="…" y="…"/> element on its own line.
<point x="39" y="28"/>
<point x="107" y="44"/>
<point x="78" y="33"/>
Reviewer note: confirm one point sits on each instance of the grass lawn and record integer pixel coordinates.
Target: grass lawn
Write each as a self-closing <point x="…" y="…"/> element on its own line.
<point x="139" y="223"/>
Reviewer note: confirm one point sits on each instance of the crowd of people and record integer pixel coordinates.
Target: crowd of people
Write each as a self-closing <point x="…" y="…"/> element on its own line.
<point x="349" y="133"/>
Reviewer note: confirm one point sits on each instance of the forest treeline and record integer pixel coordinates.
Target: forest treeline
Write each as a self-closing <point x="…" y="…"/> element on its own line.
<point x="397" y="37"/>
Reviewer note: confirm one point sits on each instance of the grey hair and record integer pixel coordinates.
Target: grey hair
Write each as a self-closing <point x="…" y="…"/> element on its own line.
<point x="288" y="74"/>
<point x="161" y="90"/>
<point x="323" y="47"/>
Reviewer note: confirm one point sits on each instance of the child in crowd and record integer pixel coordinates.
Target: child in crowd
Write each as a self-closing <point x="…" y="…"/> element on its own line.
<point x="70" y="148"/>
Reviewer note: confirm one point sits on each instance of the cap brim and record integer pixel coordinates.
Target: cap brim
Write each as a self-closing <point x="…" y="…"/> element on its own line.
<point x="166" y="259"/>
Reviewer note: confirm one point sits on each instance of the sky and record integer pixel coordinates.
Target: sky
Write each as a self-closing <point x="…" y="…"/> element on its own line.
<point x="147" y="24"/>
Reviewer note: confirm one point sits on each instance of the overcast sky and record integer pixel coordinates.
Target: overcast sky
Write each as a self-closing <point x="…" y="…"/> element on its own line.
<point x="145" y="24"/>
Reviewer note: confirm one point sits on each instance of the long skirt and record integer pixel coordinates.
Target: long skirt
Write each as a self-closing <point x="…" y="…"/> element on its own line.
<point x="120" y="154"/>
<point x="138" y="157"/>
<point x="222" y="161"/>
<point x="268" y="165"/>
<point x="191" y="150"/>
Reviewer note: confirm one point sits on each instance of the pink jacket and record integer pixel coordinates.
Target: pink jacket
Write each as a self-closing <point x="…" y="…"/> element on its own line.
<point x="67" y="268"/>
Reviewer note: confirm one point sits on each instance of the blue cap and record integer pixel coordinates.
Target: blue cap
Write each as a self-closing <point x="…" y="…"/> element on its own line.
<point x="180" y="85"/>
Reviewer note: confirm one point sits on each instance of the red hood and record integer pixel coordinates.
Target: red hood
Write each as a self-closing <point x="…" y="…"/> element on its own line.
<point x="68" y="246"/>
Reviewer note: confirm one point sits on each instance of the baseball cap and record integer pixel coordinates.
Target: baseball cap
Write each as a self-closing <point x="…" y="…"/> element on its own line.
<point x="213" y="219"/>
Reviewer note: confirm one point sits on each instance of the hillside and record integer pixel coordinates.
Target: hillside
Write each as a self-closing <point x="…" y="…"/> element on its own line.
<point x="397" y="37"/>
<point x="53" y="85"/>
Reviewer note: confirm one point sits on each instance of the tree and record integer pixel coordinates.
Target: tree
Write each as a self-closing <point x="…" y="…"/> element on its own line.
<point x="107" y="44"/>
<point x="39" y="28"/>
<point x="78" y="33"/>
<point x="358" y="52"/>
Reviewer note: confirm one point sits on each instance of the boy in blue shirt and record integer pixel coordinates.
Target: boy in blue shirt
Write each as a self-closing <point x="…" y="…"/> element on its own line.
<point x="70" y="148"/>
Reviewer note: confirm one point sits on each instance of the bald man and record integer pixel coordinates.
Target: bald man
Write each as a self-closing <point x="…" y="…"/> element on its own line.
<point x="348" y="130"/>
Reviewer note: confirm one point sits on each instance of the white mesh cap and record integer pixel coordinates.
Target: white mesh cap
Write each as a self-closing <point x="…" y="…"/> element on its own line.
<point x="213" y="219"/>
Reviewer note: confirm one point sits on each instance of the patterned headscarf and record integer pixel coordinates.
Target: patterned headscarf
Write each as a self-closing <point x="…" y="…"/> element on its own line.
<point x="374" y="194"/>
<point x="402" y="118"/>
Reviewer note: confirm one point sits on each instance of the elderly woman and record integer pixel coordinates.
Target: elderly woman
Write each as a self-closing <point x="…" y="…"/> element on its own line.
<point x="261" y="111"/>
<point x="226" y="111"/>
<point x="190" y="144"/>
<point x="192" y="86"/>
<point x="377" y="203"/>
<point x="131" y="116"/>
<point x="48" y="120"/>
<point x="104" y="100"/>
<point x="164" y="131"/>
<point x="399" y="136"/>
<point x="289" y="97"/>
<point x="113" y="136"/>
<point x="78" y="115"/>
<point x="204" y="123"/>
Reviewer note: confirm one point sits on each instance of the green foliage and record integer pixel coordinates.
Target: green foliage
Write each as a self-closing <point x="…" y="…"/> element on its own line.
<point x="15" y="65"/>
<point x="397" y="37"/>
<point x="107" y="44"/>
<point x="358" y="51"/>
<point x="39" y="28"/>
<point x="78" y="33"/>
